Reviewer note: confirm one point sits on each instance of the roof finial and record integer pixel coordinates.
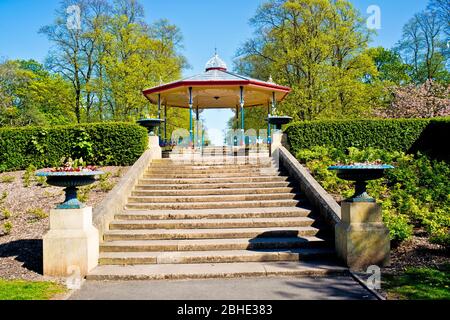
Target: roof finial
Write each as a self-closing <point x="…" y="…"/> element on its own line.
<point x="160" y="80"/>
<point x="270" y="79"/>
<point x="215" y="50"/>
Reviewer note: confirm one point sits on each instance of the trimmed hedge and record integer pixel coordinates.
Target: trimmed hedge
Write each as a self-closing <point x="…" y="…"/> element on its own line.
<point x="98" y="144"/>
<point x="414" y="135"/>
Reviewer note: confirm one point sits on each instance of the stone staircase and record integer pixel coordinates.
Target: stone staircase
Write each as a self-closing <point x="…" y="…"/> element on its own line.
<point x="214" y="219"/>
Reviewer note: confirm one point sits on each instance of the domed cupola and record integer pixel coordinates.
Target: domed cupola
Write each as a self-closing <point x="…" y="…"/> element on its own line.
<point x="215" y="63"/>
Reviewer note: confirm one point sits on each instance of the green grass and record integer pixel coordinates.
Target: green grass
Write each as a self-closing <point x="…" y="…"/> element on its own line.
<point x="26" y="290"/>
<point x="419" y="284"/>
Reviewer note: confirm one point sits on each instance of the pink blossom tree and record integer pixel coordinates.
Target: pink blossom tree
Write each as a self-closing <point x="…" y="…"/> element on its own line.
<point x="427" y="100"/>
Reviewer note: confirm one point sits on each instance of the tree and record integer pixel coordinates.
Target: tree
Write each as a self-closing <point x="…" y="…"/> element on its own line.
<point x="30" y="95"/>
<point x="427" y="100"/>
<point x="423" y="47"/>
<point x="390" y="66"/>
<point x="317" y="47"/>
<point x="112" y="56"/>
<point x="442" y="9"/>
<point x="72" y="55"/>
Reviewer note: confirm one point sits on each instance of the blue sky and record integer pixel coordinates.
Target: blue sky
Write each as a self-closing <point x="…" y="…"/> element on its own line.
<point x="205" y="24"/>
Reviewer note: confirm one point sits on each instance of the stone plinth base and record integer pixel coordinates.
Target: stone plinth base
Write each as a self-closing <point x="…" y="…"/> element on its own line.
<point x="72" y="244"/>
<point x="155" y="149"/>
<point x="361" y="238"/>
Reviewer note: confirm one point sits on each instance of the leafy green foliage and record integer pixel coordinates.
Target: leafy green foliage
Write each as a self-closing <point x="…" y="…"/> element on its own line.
<point x="6" y="213"/>
<point x="37" y="213"/>
<point x="7" y="179"/>
<point x="105" y="184"/>
<point x="7" y="227"/>
<point x="384" y="134"/>
<point x="84" y="192"/>
<point x="29" y="176"/>
<point x="415" y="193"/>
<point x="318" y="48"/>
<point x="30" y="95"/>
<point x="98" y="144"/>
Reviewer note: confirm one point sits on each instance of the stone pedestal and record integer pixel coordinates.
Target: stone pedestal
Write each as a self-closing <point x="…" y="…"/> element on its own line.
<point x="277" y="138"/>
<point x="72" y="244"/>
<point x="154" y="147"/>
<point x="361" y="238"/>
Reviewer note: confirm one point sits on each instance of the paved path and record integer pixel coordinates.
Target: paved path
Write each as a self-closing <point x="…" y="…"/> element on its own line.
<point x="302" y="288"/>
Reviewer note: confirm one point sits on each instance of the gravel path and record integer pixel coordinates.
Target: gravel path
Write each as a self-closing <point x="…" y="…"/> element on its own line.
<point x="21" y="250"/>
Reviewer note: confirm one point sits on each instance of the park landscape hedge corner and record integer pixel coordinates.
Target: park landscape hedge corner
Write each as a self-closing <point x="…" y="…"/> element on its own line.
<point x="115" y="143"/>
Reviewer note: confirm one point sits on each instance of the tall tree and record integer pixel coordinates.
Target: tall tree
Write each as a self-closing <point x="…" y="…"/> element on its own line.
<point x="73" y="49"/>
<point x="423" y="47"/>
<point x="30" y="95"/>
<point x="391" y="68"/>
<point x="317" y="47"/>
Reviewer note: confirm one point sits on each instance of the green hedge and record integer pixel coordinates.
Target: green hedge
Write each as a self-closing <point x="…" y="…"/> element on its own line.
<point x="392" y="135"/>
<point x="98" y="144"/>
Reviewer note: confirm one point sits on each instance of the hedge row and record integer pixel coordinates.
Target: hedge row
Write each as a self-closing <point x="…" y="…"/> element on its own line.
<point x="423" y="135"/>
<point x="98" y="144"/>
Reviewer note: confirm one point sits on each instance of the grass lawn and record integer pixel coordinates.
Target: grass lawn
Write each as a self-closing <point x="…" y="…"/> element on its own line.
<point x="27" y="290"/>
<point x="419" y="284"/>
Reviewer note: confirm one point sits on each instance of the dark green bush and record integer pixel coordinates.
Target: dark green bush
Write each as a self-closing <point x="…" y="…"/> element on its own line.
<point x="98" y="144"/>
<point x="415" y="193"/>
<point x="392" y="135"/>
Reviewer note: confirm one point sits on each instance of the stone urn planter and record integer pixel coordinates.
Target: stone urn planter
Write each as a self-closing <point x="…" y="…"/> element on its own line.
<point x="71" y="181"/>
<point x="150" y="124"/>
<point x="361" y="174"/>
<point x="278" y="121"/>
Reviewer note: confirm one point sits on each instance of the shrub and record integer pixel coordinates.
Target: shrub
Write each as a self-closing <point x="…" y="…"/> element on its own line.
<point x="7" y="227"/>
<point x="29" y="176"/>
<point x="6" y="213"/>
<point x="391" y="135"/>
<point x="399" y="226"/>
<point x="99" y="144"/>
<point x="104" y="184"/>
<point x="37" y="213"/>
<point x="7" y="179"/>
<point x="84" y="192"/>
<point x="415" y="193"/>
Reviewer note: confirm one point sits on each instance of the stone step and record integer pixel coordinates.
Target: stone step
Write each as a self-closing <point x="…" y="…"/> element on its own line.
<point x="225" y="160"/>
<point x="215" y="271"/>
<point x="212" y="180"/>
<point x="180" y="234"/>
<point x="209" y="186"/>
<point x="193" y="167"/>
<point x="184" y="175"/>
<point x="211" y="198"/>
<point x="213" y="205"/>
<point x="212" y="244"/>
<point x="204" y="172"/>
<point x="214" y="214"/>
<point x="225" y="256"/>
<point x="210" y="192"/>
<point x="211" y="223"/>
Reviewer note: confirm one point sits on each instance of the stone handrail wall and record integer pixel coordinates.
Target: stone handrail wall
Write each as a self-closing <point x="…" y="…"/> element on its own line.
<point x="115" y="201"/>
<point x="316" y="194"/>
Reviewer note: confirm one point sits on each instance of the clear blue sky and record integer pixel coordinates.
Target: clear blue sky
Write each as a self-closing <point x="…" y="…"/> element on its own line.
<point x="204" y="23"/>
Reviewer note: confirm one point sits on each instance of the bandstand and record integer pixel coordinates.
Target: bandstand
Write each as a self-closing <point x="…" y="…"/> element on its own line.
<point x="216" y="88"/>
